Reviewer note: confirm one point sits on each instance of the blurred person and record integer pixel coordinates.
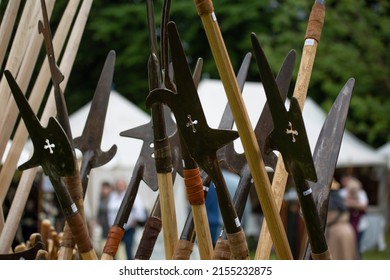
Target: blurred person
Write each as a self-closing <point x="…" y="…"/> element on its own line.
<point x="339" y="233"/>
<point x="102" y="225"/>
<point x="102" y="218"/>
<point x="356" y="201"/>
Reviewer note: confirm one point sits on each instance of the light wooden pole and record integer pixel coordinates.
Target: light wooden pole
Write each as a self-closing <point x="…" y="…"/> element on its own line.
<point x="28" y="176"/>
<point x="312" y="37"/>
<point x="21" y="42"/>
<point x="36" y="96"/>
<point x="252" y="151"/>
<point x="7" y="25"/>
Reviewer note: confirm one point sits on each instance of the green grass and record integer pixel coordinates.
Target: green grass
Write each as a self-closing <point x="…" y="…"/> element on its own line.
<point x="378" y="255"/>
<point x="373" y="254"/>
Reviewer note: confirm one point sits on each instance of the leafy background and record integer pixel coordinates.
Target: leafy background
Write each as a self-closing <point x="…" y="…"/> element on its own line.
<point x="354" y="43"/>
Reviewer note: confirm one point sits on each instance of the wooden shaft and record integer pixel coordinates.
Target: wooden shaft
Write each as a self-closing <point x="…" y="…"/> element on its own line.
<point x="56" y="245"/>
<point x="21" y="62"/>
<point x="74" y="187"/>
<point x="248" y="138"/>
<point x="28" y="176"/>
<point x="168" y="213"/>
<point x="195" y="195"/>
<point x="35" y="99"/>
<point x="7" y="25"/>
<point x="312" y="38"/>
<point x="18" y="48"/>
<point x="203" y="234"/>
<point x="45" y="231"/>
<point x="66" y="65"/>
<point x="8" y="123"/>
<point x="279" y="181"/>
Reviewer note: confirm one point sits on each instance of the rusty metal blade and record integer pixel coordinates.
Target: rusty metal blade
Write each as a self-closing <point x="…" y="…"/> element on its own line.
<point x="289" y="134"/>
<point x="264" y="126"/>
<point x="56" y="76"/>
<point x="52" y="148"/>
<point x="327" y="151"/>
<point x="237" y="162"/>
<point x="202" y="141"/>
<point x="185" y="104"/>
<point x="89" y="143"/>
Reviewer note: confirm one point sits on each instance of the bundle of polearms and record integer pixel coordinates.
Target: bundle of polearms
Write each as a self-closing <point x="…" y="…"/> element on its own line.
<point x="183" y="145"/>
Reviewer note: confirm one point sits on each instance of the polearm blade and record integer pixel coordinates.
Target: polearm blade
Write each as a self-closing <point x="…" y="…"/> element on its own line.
<point x="289" y="137"/>
<point x="159" y="77"/>
<point x="89" y="143"/>
<point x="327" y="151"/>
<point x="238" y="163"/>
<point x="72" y="182"/>
<point x="196" y="196"/>
<point x="56" y="75"/>
<point x="153" y="226"/>
<point x="201" y="140"/>
<point x="188" y="234"/>
<point x="155" y="157"/>
<point x="312" y="38"/>
<point x="162" y="147"/>
<point x="52" y="151"/>
<point x="262" y="184"/>
<point x="289" y="133"/>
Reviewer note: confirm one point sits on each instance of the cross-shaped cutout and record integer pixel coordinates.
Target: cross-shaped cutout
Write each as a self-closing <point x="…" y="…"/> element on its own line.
<point x="49" y="146"/>
<point x="191" y="123"/>
<point x="290" y="130"/>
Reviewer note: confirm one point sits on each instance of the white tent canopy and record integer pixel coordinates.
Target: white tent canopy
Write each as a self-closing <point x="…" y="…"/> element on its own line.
<point x="385" y="151"/>
<point x="123" y="115"/>
<point x="353" y="152"/>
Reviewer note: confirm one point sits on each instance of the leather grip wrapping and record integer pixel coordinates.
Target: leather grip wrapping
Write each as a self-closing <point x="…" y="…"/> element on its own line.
<point x="74" y="187"/>
<point x="204" y="7"/>
<point x="80" y="233"/>
<point x="323" y="256"/>
<point x="67" y="240"/>
<point x="222" y="250"/>
<point x="114" y="238"/>
<point x="194" y="186"/>
<point x="238" y="245"/>
<point x="183" y="250"/>
<point x="163" y="155"/>
<point x="316" y="21"/>
<point x="151" y="231"/>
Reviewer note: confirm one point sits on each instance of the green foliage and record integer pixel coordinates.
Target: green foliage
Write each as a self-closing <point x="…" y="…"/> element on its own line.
<point x="354" y="43"/>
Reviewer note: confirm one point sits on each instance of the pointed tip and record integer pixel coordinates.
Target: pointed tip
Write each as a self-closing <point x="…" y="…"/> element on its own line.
<point x="321" y="2"/>
<point x="31" y="163"/>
